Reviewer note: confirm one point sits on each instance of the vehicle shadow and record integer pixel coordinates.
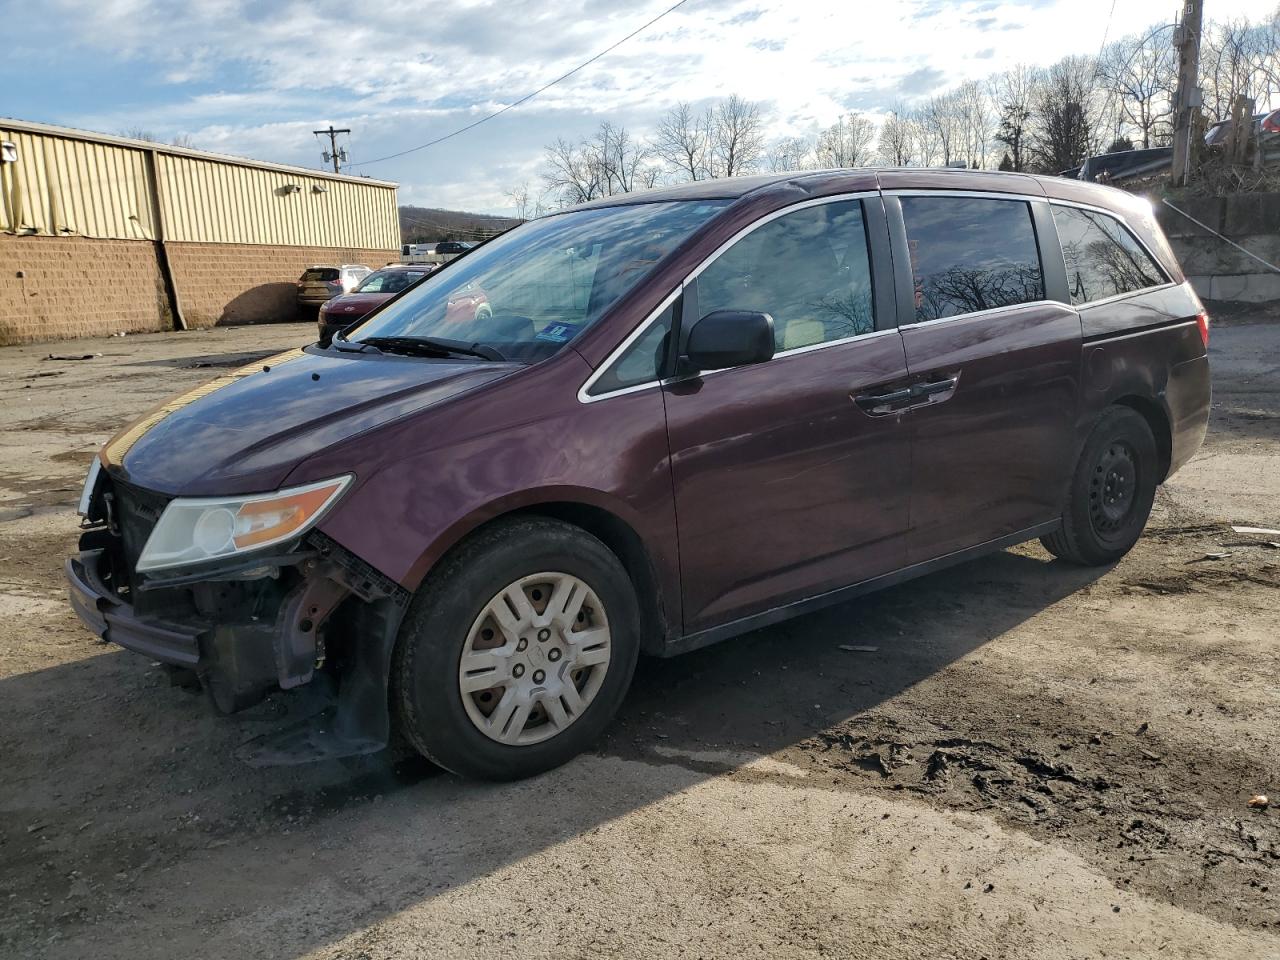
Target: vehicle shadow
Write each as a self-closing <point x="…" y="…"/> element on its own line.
<point x="122" y="788"/>
<point x="265" y="303"/>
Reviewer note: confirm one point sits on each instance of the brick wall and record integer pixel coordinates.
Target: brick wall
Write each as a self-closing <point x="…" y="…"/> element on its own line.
<point x="53" y="288"/>
<point x="79" y="287"/>
<point x="247" y="283"/>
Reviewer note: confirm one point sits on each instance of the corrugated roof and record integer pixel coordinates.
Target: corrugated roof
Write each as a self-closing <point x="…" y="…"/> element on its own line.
<point x="71" y="133"/>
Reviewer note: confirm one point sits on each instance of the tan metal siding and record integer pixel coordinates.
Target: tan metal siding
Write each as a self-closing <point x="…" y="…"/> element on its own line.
<point x="65" y="185"/>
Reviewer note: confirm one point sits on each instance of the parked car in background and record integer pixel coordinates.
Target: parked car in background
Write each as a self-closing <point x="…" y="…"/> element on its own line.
<point x="374" y="290"/>
<point x="320" y="282"/>
<point x="453" y="248"/>
<point x="681" y="415"/>
<point x="466" y="306"/>
<point x="436" y="253"/>
<point x="416" y="252"/>
<point x="1266" y="126"/>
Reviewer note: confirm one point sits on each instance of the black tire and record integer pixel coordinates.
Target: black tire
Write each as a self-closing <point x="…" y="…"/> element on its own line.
<point x="1112" y="490"/>
<point x="425" y="694"/>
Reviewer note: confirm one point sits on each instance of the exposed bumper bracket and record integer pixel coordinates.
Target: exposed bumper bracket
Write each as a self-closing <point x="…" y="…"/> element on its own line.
<point x="116" y="622"/>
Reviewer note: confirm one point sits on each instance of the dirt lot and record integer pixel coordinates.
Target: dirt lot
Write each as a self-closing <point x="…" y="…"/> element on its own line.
<point x="1035" y="761"/>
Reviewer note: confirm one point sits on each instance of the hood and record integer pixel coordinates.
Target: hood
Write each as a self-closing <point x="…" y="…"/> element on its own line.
<point x="245" y="431"/>
<point x="354" y="305"/>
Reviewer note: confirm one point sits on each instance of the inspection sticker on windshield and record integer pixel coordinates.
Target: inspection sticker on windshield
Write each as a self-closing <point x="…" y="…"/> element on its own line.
<point x="558" y="332"/>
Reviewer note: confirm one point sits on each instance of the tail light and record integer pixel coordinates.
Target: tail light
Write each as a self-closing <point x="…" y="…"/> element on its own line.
<point x="1202" y="321"/>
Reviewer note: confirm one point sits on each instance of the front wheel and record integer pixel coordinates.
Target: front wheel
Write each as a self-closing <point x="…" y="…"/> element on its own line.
<point x="518" y="652"/>
<point x="1112" y="490"/>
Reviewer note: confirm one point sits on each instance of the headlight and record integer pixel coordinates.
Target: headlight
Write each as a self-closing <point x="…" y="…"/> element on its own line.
<point x="90" y="486"/>
<point x="195" y="529"/>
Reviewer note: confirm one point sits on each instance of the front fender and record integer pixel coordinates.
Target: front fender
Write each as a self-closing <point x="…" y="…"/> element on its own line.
<point x="526" y="441"/>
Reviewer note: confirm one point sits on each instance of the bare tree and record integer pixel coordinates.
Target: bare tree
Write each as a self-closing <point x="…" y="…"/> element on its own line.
<point x="139" y="133"/>
<point x="941" y="125"/>
<point x="736" y="137"/>
<point x="520" y="200"/>
<point x="625" y="162"/>
<point x="847" y="142"/>
<point x="682" y="141"/>
<point x="897" y="139"/>
<point x="573" y="173"/>
<point x="1140" y="73"/>
<point x="789" y="153"/>
<point x="1066" y="132"/>
<point x="928" y="142"/>
<point x="976" y="123"/>
<point x="1236" y="59"/>
<point x="610" y="162"/>
<point x="1014" y="93"/>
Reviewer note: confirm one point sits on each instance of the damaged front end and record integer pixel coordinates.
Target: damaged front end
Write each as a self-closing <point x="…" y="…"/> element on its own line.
<point x="298" y="611"/>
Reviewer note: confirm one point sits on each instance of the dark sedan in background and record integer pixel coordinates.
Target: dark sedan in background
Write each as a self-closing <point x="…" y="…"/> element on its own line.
<point x="375" y="289"/>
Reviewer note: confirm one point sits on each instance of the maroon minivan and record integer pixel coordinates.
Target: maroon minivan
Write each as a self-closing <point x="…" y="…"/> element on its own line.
<point x="687" y="413"/>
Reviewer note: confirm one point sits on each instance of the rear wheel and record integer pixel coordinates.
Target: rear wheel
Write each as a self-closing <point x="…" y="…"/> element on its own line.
<point x="1112" y="491"/>
<point x="517" y="654"/>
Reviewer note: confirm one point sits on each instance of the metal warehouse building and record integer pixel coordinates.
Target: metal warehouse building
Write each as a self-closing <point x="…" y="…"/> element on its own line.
<point x="102" y="234"/>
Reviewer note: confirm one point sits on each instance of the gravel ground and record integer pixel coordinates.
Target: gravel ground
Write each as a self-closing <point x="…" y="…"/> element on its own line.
<point x="1034" y="761"/>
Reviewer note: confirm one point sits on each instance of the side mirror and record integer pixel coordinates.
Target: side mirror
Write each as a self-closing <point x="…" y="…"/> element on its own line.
<point x="730" y="338"/>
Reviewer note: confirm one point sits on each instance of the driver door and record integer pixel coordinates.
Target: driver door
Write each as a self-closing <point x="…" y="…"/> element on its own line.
<point x="785" y="486"/>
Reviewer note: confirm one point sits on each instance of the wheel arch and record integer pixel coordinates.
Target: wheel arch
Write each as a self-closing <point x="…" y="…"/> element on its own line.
<point x="1158" y="420"/>
<point x="606" y="525"/>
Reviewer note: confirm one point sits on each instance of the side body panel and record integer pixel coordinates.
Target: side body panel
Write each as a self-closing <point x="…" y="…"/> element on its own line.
<point x="423" y="484"/>
<point x="994" y="456"/>
<point x="784" y="487"/>
<point x="1146" y="349"/>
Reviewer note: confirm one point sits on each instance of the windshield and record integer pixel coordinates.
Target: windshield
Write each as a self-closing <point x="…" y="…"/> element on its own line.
<point x="390" y="281"/>
<point x="532" y="290"/>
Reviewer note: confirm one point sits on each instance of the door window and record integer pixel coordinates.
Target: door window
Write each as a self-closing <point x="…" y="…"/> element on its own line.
<point x="809" y="270"/>
<point x="970" y="254"/>
<point x="1103" y="258"/>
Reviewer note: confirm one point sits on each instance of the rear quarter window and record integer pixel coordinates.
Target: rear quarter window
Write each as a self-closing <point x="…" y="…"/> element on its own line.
<point x="970" y="254"/>
<point x="1103" y="257"/>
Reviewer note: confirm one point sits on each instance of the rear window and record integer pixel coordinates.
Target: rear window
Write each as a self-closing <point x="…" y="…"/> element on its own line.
<point x="320" y="273"/>
<point x="390" y="281"/>
<point x="1103" y="258"/>
<point x="971" y="254"/>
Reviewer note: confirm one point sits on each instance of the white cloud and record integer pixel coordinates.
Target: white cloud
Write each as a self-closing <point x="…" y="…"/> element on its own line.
<point x="255" y="78"/>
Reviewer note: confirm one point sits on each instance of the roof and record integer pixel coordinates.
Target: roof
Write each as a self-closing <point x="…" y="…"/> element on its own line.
<point x="72" y="133"/>
<point x="733" y="188"/>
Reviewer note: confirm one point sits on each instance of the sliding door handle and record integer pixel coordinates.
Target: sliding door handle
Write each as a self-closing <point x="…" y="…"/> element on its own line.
<point x="933" y="387"/>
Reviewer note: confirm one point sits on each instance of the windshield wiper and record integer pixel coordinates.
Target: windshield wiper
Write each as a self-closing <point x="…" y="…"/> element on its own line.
<point x="434" y="347"/>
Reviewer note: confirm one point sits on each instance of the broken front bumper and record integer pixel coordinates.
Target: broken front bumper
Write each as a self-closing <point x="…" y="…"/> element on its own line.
<point x="115" y="621"/>
<point x="243" y="634"/>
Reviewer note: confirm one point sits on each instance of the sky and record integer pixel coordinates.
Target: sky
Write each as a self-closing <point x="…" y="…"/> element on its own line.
<point x="256" y="78"/>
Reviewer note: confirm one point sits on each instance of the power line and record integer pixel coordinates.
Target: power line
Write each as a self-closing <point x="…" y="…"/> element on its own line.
<point x="1106" y="30"/>
<point x="527" y="98"/>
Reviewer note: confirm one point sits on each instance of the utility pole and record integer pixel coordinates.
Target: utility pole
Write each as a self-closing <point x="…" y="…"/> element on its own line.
<point x="334" y="153"/>
<point x="1188" y="98"/>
